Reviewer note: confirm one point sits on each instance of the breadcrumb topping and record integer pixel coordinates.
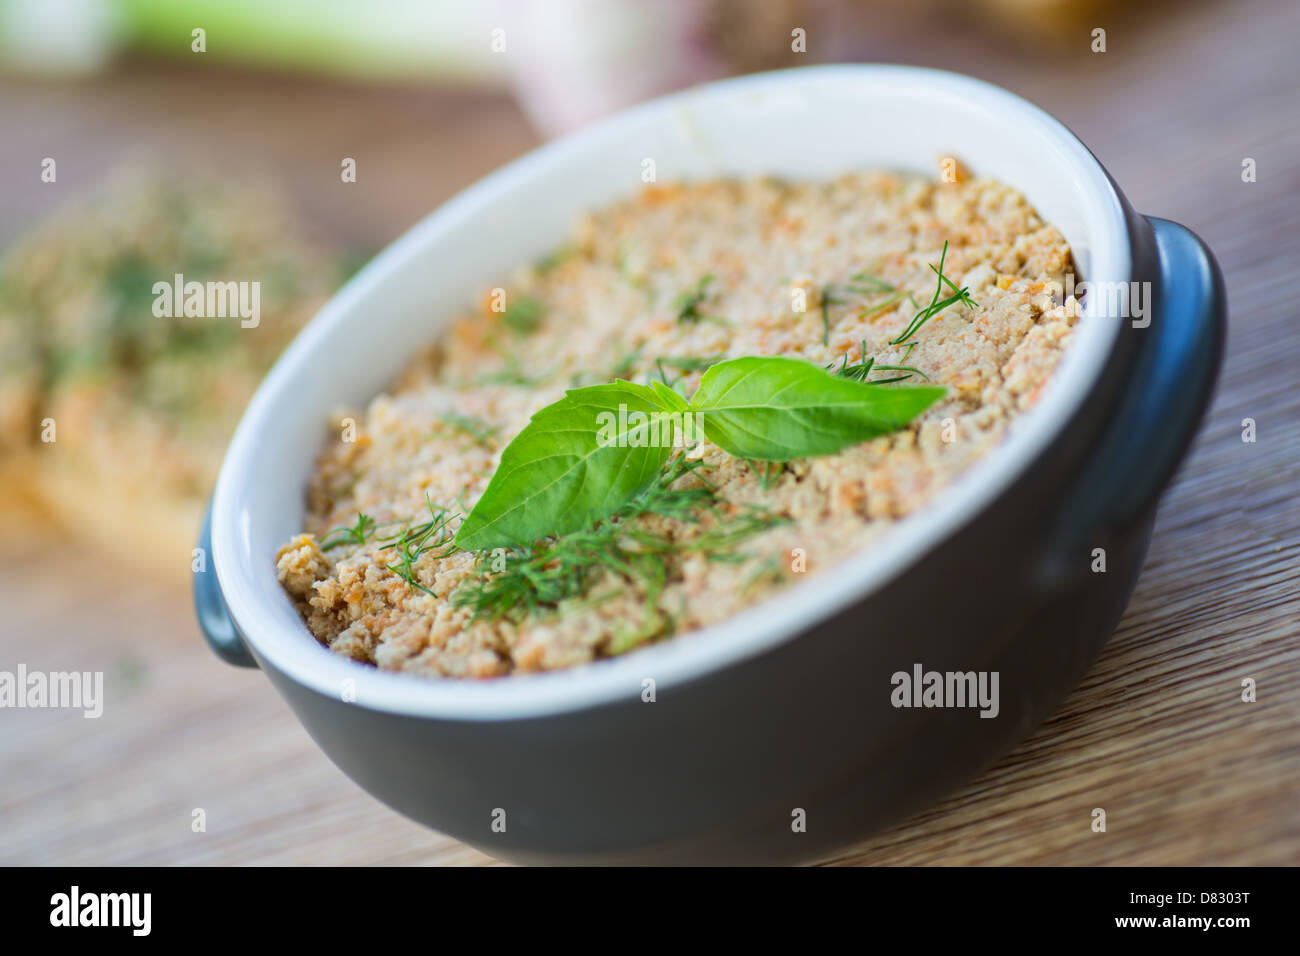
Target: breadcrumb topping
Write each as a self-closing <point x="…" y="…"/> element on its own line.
<point x="781" y="257"/>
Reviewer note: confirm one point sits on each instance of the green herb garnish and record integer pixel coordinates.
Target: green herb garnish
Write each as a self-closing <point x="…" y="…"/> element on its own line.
<point x="767" y="472"/>
<point x="625" y="272"/>
<point x="827" y="300"/>
<point x="860" y="283"/>
<point x="860" y="370"/>
<point x="691" y="363"/>
<point x="564" y="471"/>
<point x="582" y="458"/>
<point x="688" y="303"/>
<point x="475" y="428"/>
<point x="412" y="542"/>
<point x="778" y="409"/>
<point x="629" y="360"/>
<point x="513" y="373"/>
<point x="936" y="305"/>
<point x="864" y="284"/>
<point x="432" y="537"/>
<point x="554" y="258"/>
<point x="541" y="576"/>
<point x="567" y="497"/>
<point x="770" y="570"/>
<point x="683" y="366"/>
<point x="523" y="314"/>
<point x="890" y="302"/>
<point x="357" y="533"/>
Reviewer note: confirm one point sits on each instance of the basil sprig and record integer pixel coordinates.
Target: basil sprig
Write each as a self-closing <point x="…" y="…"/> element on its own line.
<point x="777" y="409"/>
<point x="582" y="458"/>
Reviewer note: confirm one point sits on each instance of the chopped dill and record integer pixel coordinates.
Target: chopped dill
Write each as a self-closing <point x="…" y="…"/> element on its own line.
<point x="684" y="366"/>
<point x="827" y="300"/>
<point x="887" y="303"/>
<point x="859" y="284"/>
<point x="719" y="543"/>
<point x="554" y="258"/>
<point x="358" y="533"/>
<point x="688" y="303"/>
<point x="936" y="305"/>
<point x="767" y="472"/>
<point x="541" y="577"/>
<point x="514" y="373"/>
<point x="433" y="537"/>
<point x="860" y="371"/>
<point x="479" y="431"/>
<point x="524" y="314"/>
<point x="663" y="375"/>
<point x="770" y="570"/>
<point x="655" y="623"/>
<point x="691" y="363"/>
<point x="864" y="284"/>
<point x="622" y="260"/>
<point x="624" y="366"/>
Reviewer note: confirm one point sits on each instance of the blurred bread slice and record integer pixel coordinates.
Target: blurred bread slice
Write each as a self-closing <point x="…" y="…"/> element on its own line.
<point x="140" y="407"/>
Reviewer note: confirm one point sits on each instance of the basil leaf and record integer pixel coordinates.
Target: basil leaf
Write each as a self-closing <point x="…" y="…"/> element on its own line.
<point x="670" y="398"/>
<point x="576" y="461"/>
<point x="582" y="458"/>
<point x="776" y="409"/>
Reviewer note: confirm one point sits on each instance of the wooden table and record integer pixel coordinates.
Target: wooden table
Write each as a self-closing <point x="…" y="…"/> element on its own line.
<point x="1156" y="734"/>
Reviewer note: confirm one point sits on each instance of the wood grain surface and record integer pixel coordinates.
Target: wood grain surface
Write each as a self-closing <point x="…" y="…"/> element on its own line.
<point x="1156" y="734"/>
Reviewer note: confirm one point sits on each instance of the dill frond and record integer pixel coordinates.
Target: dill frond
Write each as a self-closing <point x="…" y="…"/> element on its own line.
<point x="936" y="305"/>
<point x="357" y="533"/>
<point x="688" y="303"/>
<point x="691" y="363"/>
<point x="684" y="365"/>
<point x="767" y="472"/>
<point x="474" y="428"/>
<point x="555" y="258"/>
<point x="861" y="370"/>
<point x="513" y="373"/>
<point x="433" y="537"/>
<point x="540" y="578"/>
<point x="627" y="362"/>
<point x="864" y="284"/>
<point x="523" y="314"/>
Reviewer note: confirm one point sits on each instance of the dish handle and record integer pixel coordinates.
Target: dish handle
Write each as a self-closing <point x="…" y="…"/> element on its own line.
<point x="210" y="607"/>
<point x="1162" y="406"/>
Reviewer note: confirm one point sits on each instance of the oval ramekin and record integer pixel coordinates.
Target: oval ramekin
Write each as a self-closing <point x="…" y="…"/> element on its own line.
<point x="783" y="712"/>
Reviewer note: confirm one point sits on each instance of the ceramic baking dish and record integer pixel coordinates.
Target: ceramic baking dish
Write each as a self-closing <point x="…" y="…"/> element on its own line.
<point x="771" y="737"/>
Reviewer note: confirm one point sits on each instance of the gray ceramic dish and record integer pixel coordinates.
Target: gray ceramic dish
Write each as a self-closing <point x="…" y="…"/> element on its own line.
<point x="784" y="712"/>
